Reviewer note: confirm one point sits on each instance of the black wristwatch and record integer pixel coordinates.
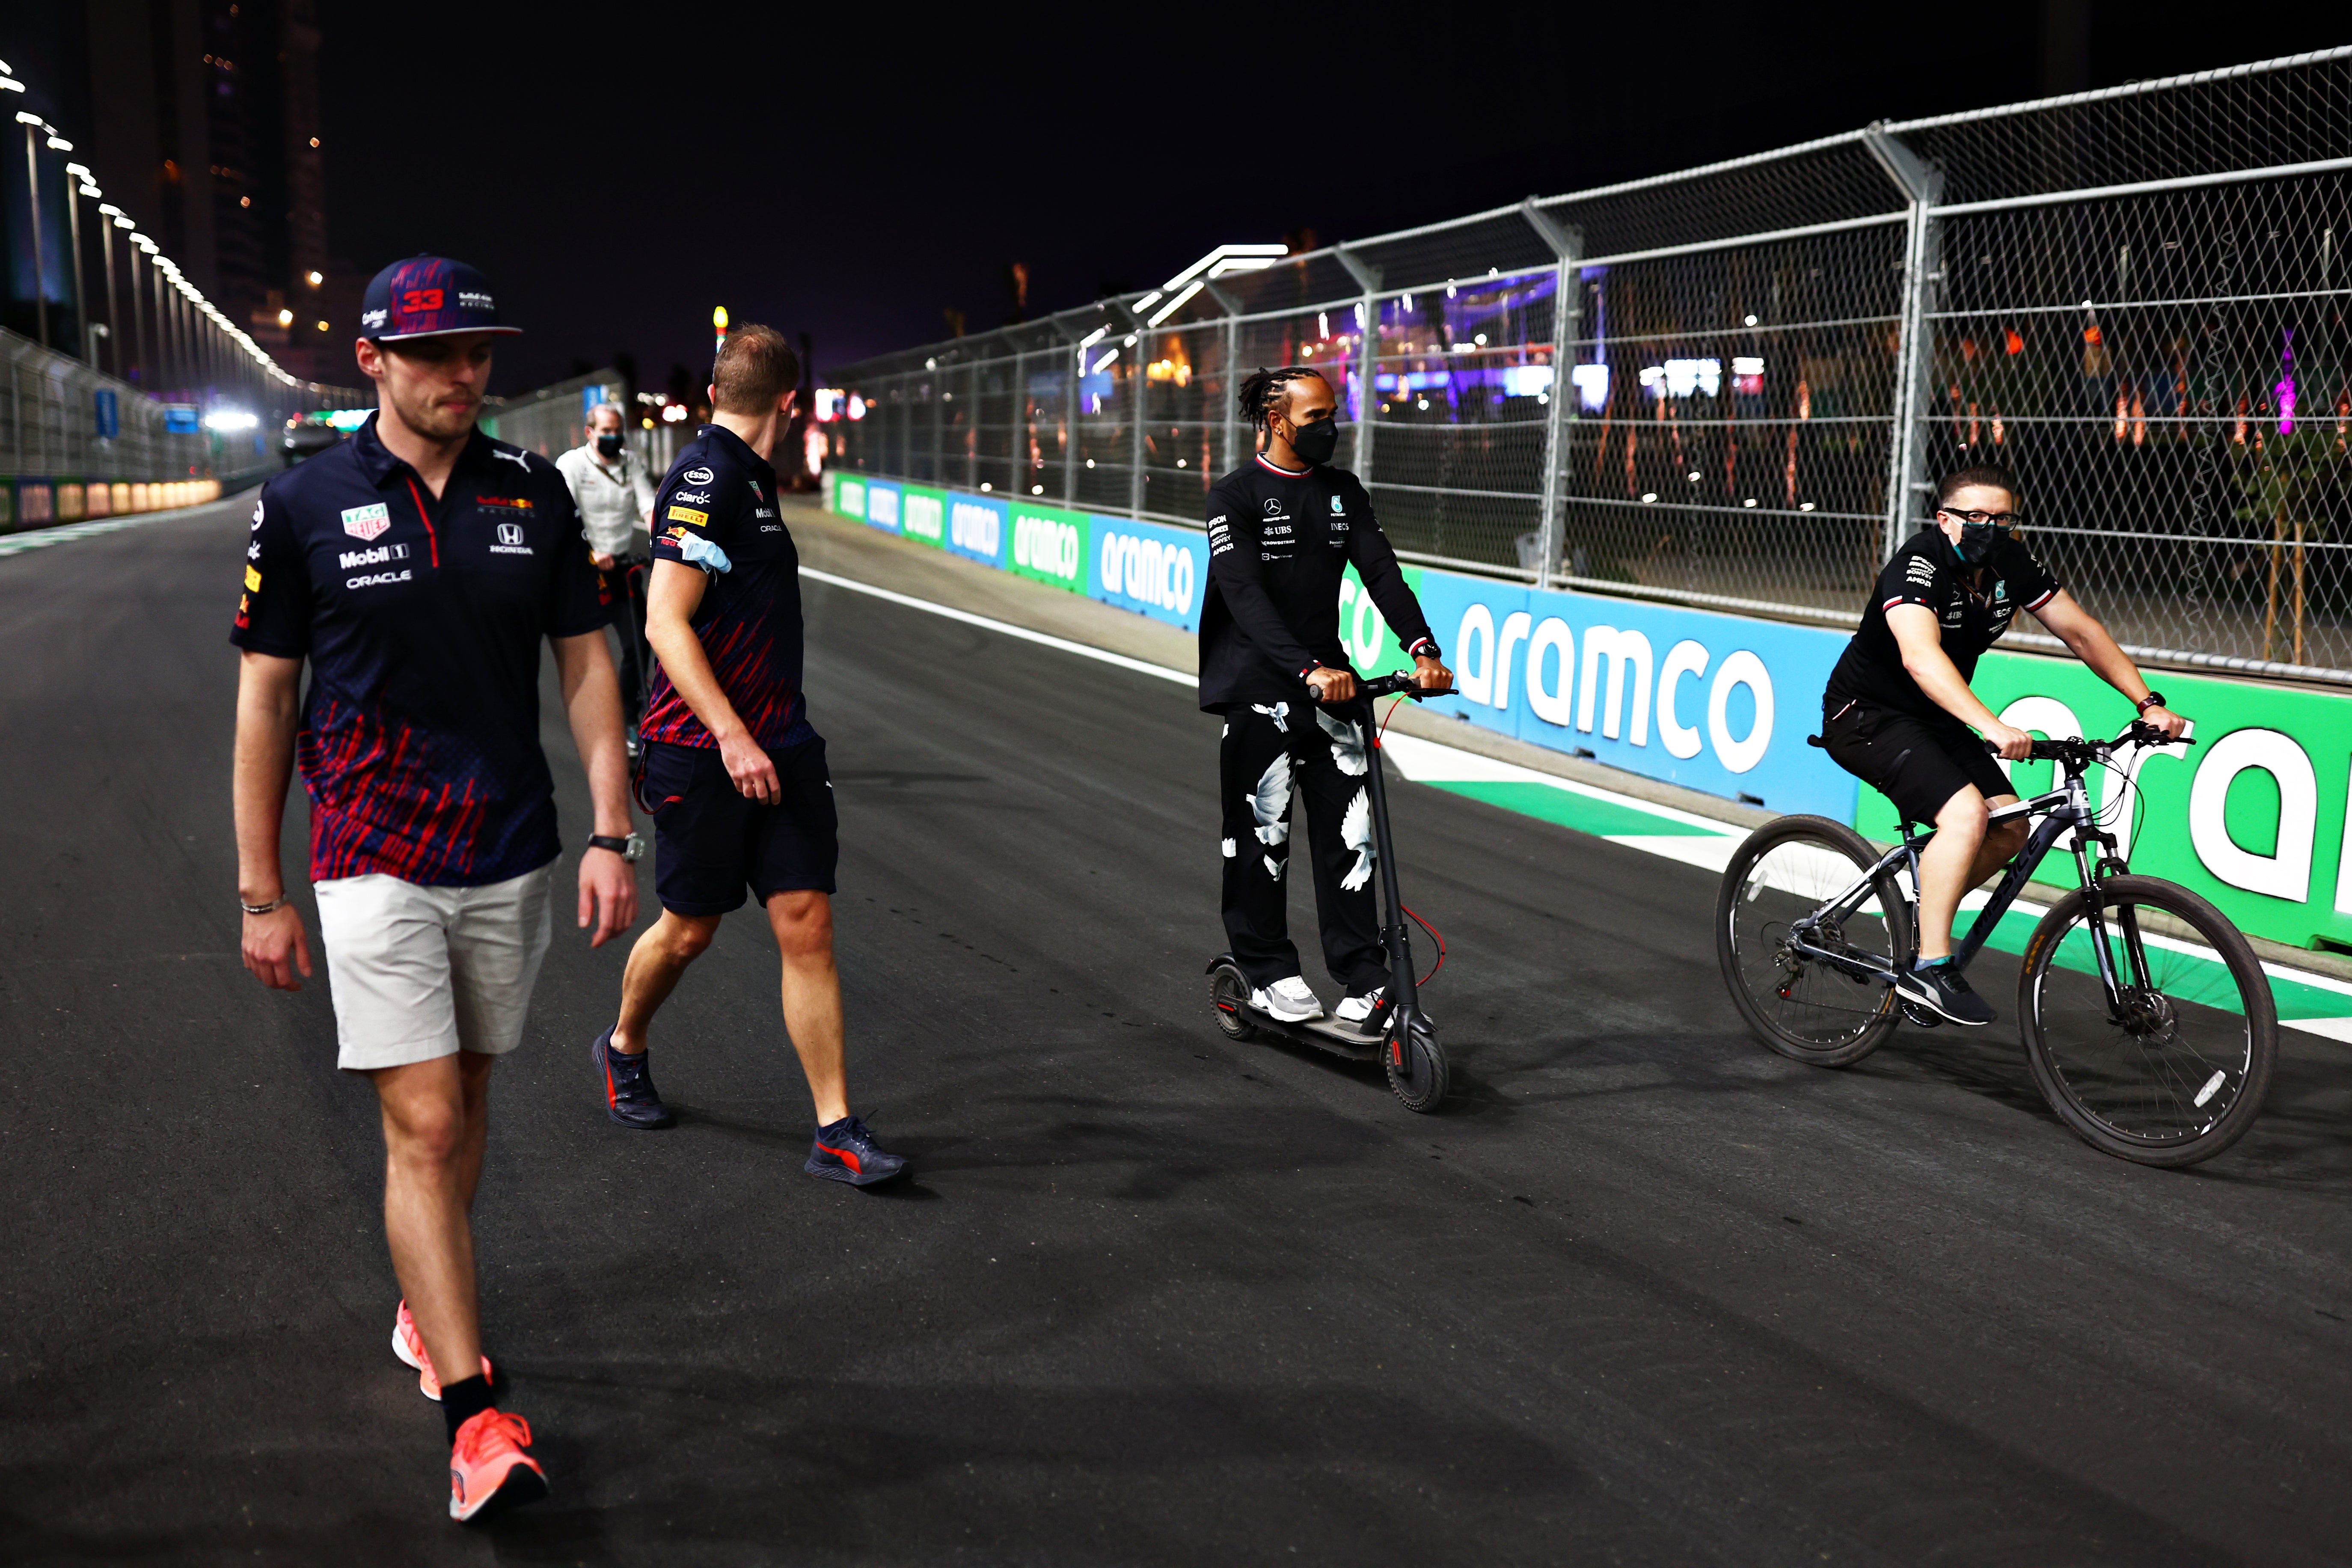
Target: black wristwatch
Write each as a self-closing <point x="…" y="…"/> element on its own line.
<point x="627" y="849"/>
<point x="2155" y="699"/>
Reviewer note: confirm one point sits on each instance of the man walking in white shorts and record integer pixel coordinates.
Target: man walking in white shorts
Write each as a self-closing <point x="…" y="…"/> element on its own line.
<point x="416" y="567"/>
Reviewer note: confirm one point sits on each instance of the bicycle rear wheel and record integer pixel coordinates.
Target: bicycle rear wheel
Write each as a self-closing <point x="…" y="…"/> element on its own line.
<point x="2177" y="1072"/>
<point x="1801" y="1007"/>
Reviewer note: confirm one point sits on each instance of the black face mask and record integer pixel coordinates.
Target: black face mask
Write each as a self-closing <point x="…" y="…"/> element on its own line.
<point x="1978" y="542"/>
<point x="1316" y="443"/>
<point x="609" y="442"/>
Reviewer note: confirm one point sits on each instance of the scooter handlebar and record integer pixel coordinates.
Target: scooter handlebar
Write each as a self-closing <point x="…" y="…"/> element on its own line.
<point x="1400" y="684"/>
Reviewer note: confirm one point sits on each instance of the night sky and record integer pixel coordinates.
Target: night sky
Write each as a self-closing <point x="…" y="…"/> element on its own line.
<point x="852" y="170"/>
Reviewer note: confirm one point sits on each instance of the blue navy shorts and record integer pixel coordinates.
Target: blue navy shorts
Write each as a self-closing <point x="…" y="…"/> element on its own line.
<point x="711" y="842"/>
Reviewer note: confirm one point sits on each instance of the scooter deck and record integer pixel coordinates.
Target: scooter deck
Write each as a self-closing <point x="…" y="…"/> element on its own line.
<point x="1326" y="1034"/>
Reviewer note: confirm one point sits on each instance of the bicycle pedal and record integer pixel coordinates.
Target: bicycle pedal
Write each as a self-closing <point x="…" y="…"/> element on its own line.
<point x="1926" y="1017"/>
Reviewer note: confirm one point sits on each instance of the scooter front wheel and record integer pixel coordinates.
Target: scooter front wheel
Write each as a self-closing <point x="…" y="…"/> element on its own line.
<point x="1416" y="1064"/>
<point x="1228" y="995"/>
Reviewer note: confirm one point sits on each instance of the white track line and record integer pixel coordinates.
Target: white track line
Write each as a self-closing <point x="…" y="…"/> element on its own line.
<point x="1103" y="656"/>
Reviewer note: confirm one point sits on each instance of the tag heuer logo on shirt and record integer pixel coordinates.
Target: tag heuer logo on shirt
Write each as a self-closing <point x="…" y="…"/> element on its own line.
<point x="698" y="475"/>
<point x="366" y="521"/>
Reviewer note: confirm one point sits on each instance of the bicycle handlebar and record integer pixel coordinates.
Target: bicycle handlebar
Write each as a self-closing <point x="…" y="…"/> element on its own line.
<point x="2078" y="753"/>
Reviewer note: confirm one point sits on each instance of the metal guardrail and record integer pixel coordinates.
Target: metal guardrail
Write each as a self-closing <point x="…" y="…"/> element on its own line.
<point x="75" y="444"/>
<point x="1734" y="386"/>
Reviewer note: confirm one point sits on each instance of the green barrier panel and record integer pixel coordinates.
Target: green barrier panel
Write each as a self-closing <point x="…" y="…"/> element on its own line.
<point x="848" y="497"/>
<point x="1049" y="545"/>
<point x="923" y="515"/>
<point x="2254" y="816"/>
<point x="1364" y="631"/>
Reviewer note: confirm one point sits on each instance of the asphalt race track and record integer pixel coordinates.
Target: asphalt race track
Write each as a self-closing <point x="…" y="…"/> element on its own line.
<point x="1642" y="1293"/>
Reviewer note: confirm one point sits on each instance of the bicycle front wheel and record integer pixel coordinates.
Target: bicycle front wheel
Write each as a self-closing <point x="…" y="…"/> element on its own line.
<point x="1777" y="884"/>
<point x="2171" y="1068"/>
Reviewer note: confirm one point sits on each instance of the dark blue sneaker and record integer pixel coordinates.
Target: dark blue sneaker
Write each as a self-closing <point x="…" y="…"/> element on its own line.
<point x="630" y="1098"/>
<point x="845" y="1152"/>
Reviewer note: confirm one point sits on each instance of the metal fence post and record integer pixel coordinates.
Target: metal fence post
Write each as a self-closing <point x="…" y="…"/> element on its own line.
<point x="971" y="433"/>
<point x="1139" y="344"/>
<point x="1567" y="318"/>
<point x="1229" y="446"/>
<point x="1074" y="354"/>
<point x="1906" y="455"/>
<point x="1368" y="278"/>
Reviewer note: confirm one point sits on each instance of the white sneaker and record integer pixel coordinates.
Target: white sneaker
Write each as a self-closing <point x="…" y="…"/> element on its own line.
<point x="1356" y="1009"/>
<point x="1293" y="1001"/>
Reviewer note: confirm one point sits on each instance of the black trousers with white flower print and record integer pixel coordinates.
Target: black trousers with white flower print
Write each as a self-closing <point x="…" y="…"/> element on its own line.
<point x="1271" y="754"/>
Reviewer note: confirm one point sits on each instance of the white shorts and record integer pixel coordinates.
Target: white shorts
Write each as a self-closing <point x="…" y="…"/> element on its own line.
<point x="419" y="973"/>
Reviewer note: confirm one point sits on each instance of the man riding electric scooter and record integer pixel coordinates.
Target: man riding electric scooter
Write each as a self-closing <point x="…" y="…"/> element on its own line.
<point x="1283" y="530"/>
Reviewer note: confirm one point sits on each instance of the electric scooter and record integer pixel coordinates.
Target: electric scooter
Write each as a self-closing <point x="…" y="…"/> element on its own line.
<point x="1397" y="1032"/>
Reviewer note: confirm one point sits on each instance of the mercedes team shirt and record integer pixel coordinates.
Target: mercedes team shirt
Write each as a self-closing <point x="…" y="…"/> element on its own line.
<point x="422" y="619"/>
<point x="717" y="511"/>
<point x="1972" y="615"/>
<point x="1279" y="545"/>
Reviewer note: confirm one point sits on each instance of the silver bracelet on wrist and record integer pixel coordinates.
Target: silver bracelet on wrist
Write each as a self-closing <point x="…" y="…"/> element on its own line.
<point x="271" y="908"/>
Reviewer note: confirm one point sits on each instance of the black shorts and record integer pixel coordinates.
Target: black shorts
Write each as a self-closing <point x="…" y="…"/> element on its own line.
<point x="1918" y="765"/>
<point x="711" y="842"/>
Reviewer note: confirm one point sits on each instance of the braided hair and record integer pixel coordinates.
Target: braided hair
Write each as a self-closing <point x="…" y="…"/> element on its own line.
<point x="1262" y="393"/>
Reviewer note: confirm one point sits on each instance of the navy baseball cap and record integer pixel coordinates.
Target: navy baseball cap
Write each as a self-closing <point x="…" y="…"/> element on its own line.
<point x="428" y="297"/>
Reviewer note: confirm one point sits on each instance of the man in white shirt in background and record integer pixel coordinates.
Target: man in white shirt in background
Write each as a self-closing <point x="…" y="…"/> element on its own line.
<point x="616" y="498"/>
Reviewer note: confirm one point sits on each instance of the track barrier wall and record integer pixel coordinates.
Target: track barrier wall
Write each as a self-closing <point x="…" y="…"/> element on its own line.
<point x="2256" y="816"/>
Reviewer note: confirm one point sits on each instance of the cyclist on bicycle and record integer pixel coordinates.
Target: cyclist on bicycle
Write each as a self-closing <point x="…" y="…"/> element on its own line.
<point x="1898" y="710"/>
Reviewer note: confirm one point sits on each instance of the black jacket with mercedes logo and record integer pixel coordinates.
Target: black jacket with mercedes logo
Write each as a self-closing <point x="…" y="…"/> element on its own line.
<point x="1280" y="545"/>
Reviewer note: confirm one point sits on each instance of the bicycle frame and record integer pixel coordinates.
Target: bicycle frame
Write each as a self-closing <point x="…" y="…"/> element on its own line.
<point x="2067" y="806"/>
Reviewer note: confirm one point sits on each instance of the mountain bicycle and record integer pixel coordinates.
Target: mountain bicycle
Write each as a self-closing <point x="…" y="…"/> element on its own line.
<point x="2146" y="1016"/>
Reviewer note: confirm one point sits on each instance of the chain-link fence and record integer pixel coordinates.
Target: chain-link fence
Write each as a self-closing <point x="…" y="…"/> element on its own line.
<point x="71" y="438"/>
<point x="2132" y="298"/>
<point x="553" y="419"/>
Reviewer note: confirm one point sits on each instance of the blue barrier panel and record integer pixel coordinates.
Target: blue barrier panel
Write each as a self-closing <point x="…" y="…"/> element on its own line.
<point x="1158" y="572"/>
<point x="976" y="528"/>
<point x="882" y="505"/>
<point x="1712" y="702"/>
<point x="1483" y="627"/>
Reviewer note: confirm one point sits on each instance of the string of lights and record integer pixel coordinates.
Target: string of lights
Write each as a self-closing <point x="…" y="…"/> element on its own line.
<point x="84" y="186"/>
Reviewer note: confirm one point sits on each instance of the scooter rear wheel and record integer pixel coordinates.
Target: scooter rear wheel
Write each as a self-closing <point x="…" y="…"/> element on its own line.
<point x="1417" y="1065"/>
<point x="1228" y="995"/>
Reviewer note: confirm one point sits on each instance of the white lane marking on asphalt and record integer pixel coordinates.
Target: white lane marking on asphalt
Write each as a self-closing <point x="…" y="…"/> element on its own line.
<point x="1103" y="656"/>
<point x="1434" y="761"/>
<point x="37" y="538"/>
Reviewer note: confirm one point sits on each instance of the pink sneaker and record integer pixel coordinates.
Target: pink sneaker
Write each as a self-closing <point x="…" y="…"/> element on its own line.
<point x="488" y="1466"/>
<point x="409" y="1346"/>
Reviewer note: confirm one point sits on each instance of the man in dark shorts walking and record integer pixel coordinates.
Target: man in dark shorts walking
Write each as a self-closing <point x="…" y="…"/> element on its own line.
<point x="1898" y="712"/>
<point x="732" y="774"/>
<point x="417" y="567"/>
